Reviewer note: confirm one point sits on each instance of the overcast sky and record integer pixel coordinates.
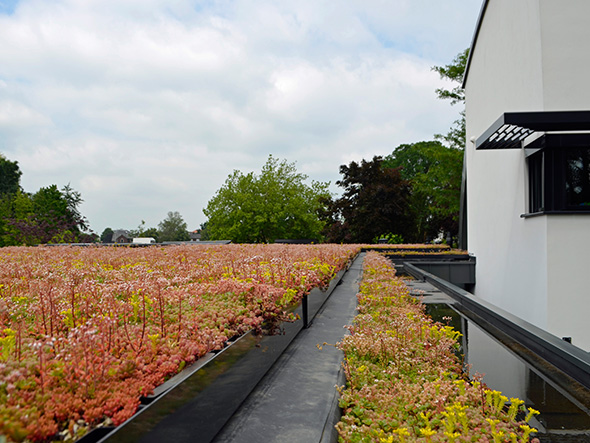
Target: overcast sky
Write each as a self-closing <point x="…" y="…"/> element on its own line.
<point x="146" y="106"/>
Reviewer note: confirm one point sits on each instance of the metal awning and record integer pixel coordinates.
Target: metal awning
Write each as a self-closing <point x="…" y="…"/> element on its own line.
<point x="512" y="128"/>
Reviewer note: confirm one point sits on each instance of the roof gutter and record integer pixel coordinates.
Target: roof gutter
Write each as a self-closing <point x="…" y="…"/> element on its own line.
<point x="570" y="359"/>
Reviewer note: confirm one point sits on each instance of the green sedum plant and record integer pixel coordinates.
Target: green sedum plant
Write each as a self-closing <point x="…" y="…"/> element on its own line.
<point x="404" y="380"/>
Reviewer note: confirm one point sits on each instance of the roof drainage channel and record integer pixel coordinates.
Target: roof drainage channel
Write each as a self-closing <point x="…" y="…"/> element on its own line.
<point x="512" y="369"/>
<point x="568" y="358"/>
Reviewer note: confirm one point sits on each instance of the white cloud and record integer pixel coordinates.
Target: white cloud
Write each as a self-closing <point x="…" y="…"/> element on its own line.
<point x="18" y="116"/>
<point x="145" y="106"/>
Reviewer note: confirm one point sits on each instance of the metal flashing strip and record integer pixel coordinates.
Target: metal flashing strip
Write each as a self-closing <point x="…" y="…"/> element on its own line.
<point x="508" y="131"/>
<point x="480" y="19"/>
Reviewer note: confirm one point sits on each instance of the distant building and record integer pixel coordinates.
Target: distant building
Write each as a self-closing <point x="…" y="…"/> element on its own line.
<point x="195" y="235"/>
<point x="121" y="236"/>
<point x="527" y="161"/>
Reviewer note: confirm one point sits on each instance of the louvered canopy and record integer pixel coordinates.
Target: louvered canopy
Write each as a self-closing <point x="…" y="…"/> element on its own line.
<point x="512" y="128"/>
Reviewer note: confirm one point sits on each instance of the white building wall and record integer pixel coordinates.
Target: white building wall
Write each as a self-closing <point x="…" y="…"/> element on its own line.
<point x="565" y="36"/>
<point x="566" y="86"/>
<point x="531" y="55"/>
<point x="505" y="76"/>
<point x="568" y="253"/>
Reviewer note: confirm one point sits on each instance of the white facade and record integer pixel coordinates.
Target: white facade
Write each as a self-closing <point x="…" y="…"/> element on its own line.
<point x="528" y="55"/>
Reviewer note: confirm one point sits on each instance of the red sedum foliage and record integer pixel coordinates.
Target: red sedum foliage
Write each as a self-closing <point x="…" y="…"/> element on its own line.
<point x="85" y="332"/>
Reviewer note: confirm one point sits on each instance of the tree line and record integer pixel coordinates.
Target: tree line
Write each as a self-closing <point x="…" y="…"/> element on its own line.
<point x="172" y="228"/>
<point x="410" y="195"/>
<point x="49" y="215"/>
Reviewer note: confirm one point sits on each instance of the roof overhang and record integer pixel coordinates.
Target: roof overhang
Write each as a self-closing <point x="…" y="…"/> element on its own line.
<point x="512" y="128"/>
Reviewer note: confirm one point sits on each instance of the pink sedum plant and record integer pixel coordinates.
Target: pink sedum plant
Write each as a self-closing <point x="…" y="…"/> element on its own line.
<point x="404" y="381"/>
<point x="85" y="332"/>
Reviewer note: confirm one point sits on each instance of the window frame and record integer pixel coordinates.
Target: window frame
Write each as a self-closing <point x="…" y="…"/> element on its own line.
<point x="546" y="161"/>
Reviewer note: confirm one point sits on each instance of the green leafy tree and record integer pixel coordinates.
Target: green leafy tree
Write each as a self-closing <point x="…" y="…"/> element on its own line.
<point x="16" y="211"/>
<point x="277" y="204"/>
<point x="52" y="220"/>
<point x="151" y="232"/>
<point x="10" y="175"/>
<point x="375" y="202"/>
<point x="173" y="228"/>
<point x="9" y="186"/>
<point x="143" y="232"/>
<point x="454" y="72"/>
<point x="6" y="212"/>
<point x="48" y="216"/>
<point x="30" y="219"/>
<point x="434" y="172"/>
<point x="49" y="204"/>
<point x="107" y="235"/>
<point x="74" y="199"/>
<point x="138" y="232"/>
<point x="204" y="228"/>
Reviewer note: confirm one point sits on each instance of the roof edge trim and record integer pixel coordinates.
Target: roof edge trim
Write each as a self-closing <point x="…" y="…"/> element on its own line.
<point x="482" y="13"/>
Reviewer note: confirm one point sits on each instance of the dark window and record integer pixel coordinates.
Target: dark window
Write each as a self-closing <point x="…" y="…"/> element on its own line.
<point x="536" y="180"/>
<point x="559" y="173"/>
<point x="577" y="178"/>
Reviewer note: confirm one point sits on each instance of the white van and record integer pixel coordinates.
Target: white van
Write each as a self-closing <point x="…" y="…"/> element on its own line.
<point x="144" y="240"/>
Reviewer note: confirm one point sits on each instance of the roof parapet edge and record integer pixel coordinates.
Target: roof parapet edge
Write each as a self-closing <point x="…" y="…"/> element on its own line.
<point x="482" y="12"/>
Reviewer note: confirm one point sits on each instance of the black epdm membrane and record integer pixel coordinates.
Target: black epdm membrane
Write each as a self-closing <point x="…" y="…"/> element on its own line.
<point x="509" y="367"/>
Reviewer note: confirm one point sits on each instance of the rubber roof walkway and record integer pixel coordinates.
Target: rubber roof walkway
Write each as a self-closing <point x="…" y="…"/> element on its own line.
<point x="297" y="400"/>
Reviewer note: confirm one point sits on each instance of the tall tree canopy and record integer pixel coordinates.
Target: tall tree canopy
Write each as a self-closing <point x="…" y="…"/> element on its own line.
<point x="277" y="204"/>
<point x="10" y="175"/>
<point x="172" y="228"/>
<point x="454" y="72"/>
<point x="375" y="202"/>
<point x="414" y="192"/>
<point x="107" y="235"/>
<point x="434" y="172"/>
<point x="50" y="215"/>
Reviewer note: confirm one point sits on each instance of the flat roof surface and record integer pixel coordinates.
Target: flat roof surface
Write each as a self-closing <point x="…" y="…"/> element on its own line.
<point x="297" y="400"/>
